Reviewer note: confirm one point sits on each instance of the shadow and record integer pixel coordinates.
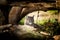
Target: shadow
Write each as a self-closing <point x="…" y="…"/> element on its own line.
<point x="7" y="36"/>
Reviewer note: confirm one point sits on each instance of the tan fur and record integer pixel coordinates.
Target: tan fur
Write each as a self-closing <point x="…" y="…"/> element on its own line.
<point x="56" y="37"/>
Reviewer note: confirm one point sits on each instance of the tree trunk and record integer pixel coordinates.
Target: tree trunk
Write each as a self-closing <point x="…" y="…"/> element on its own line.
<point x="14" y="14"/>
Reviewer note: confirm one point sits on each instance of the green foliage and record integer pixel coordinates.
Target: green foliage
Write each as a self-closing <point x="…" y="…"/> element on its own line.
<point x="22" y="21"/>
<point x="52" y="11"/>
<point x="41" y="22"/>
<point x="52" y="20"/>
<point x="51" y="25"/>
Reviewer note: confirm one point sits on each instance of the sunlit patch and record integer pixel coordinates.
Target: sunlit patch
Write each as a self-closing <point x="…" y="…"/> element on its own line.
<point x="47" y="20"/>
<point x="44" y="33"/>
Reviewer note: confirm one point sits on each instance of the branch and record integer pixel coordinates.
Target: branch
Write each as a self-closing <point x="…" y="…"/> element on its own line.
<point x="5" y="26"/>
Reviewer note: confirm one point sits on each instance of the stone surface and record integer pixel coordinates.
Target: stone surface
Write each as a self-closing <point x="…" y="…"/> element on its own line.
<point x="26" y="31"/>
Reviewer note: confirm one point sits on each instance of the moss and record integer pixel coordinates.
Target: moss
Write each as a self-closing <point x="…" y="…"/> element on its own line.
<point x="22" y="21"/>
<point x="52" y="11"/>
<point x="41" y="22"/>
<point x="52" y="20"/>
